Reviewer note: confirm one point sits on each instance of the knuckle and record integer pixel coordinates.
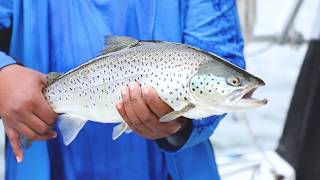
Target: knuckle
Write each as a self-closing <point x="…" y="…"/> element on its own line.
<point x="27" y="102"/>
<point x="15" y="109"/>
<point x="136" y="123"/>
<point x="5" y="116"/>
<point x="134" y="99"/>
<point x="33" y="136"/>
<point x="125" y="100"/>
<point x="44" y="129"/>
<point x="147" y="120"/>
<point x="50" y="122"/>
<point x="150" y="99"/>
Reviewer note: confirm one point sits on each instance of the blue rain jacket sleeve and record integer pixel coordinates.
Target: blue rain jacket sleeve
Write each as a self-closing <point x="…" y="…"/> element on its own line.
<point x="214" y="27"/>
<point x="5" y="15"/>
<point x="5" y="60"/>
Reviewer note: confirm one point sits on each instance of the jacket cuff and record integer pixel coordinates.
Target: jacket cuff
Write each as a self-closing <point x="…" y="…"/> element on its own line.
<point x="5" y="60"/>
<point x="197" y="132"/>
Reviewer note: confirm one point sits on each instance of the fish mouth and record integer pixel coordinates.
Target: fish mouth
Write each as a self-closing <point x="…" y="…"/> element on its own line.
<point x="246" y="97"/>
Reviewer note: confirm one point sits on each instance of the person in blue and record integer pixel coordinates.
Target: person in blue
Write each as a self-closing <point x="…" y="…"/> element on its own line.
<point x="56" y="36"/>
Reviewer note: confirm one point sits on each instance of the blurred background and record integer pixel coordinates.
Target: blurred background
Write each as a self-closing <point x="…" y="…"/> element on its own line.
<point x="278" y="64"/>
<point x="276" y="34"/>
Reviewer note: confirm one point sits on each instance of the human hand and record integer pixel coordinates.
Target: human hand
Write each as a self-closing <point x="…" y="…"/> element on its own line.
<point x="141" y="108"/>
<point x="23" y="108"/>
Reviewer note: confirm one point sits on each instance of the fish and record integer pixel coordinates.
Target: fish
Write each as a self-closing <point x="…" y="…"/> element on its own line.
<point x="194" y="83"/>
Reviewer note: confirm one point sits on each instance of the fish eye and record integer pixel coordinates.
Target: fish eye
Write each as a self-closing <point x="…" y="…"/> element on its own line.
<point x="234" y="81"/>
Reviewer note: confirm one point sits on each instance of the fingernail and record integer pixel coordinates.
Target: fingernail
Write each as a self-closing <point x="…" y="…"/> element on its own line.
<point x="144" y="90"/>
<point x="54" y="135"/>
<point x="18" y="159"/>
<point x="118" y="105"/>
<point x="131" y="86"/>
<point x="123" y="91"/>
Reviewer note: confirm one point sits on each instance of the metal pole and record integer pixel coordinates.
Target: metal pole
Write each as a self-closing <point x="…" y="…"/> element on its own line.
<point x="285" y="35"/>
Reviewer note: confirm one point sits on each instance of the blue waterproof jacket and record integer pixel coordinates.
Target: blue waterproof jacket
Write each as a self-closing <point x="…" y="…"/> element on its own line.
<point x="58" y="35"/>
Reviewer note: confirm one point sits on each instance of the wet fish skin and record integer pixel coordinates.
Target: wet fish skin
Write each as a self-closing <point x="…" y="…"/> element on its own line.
<point x="195" y="83"/>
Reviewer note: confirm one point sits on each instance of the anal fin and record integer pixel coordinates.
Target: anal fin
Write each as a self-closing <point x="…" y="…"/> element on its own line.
<point x="175" y="114"/>
<point x="69" y="126"/>
<point x="120" y="129"/>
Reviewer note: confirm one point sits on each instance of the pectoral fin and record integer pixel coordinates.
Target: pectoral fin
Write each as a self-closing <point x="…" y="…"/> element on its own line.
<point x="120" y="129"/>
<point x="69" y="126"/>
<point x="175" y="114"/>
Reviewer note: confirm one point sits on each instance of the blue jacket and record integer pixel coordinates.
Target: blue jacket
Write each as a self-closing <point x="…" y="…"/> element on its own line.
<point x="61" y="34"/>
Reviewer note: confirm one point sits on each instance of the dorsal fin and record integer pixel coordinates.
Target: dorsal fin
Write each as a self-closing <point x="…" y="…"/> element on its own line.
<point x="116" y="43"/>
<point x="52" y="77"/>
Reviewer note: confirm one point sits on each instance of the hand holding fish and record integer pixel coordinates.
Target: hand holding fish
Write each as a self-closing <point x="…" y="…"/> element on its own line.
<point x="23" y="108"/>
<point x="141" y="108"/>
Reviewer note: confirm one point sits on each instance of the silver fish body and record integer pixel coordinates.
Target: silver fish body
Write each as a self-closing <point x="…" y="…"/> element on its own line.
<point x="196" y="84"/>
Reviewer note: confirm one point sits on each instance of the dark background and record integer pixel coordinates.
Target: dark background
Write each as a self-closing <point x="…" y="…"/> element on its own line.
<point x="5" y="35"/>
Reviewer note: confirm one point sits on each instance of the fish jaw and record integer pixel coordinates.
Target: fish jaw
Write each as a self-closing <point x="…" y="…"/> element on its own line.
<point x="242" y="99"/>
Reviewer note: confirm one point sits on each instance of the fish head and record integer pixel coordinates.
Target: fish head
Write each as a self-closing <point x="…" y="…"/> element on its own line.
<point x="225" y="87"/>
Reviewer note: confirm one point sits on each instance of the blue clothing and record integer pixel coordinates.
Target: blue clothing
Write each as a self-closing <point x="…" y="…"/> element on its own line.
<point x="59" y="35"/>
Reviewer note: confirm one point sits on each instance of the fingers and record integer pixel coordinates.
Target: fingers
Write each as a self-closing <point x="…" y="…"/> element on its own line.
<point x="13" y="137"/>
<point x="135" y="110"/>
<point x="122" y="111"/>
<point x="35" y="123"/>
<point x="140" y="108"/>
<point x="159" y="107"/>
<point x="43" y="110"/>
<point x="30" y="134"/>
<point x="32" y="127"/>
<point x="133" y="120"/>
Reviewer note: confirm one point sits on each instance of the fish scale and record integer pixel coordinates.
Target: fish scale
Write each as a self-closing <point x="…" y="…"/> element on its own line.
<point x="194" y="83"/>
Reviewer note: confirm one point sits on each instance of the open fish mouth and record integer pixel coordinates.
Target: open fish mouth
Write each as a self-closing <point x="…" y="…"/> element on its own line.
<point x="248" y="99"/>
